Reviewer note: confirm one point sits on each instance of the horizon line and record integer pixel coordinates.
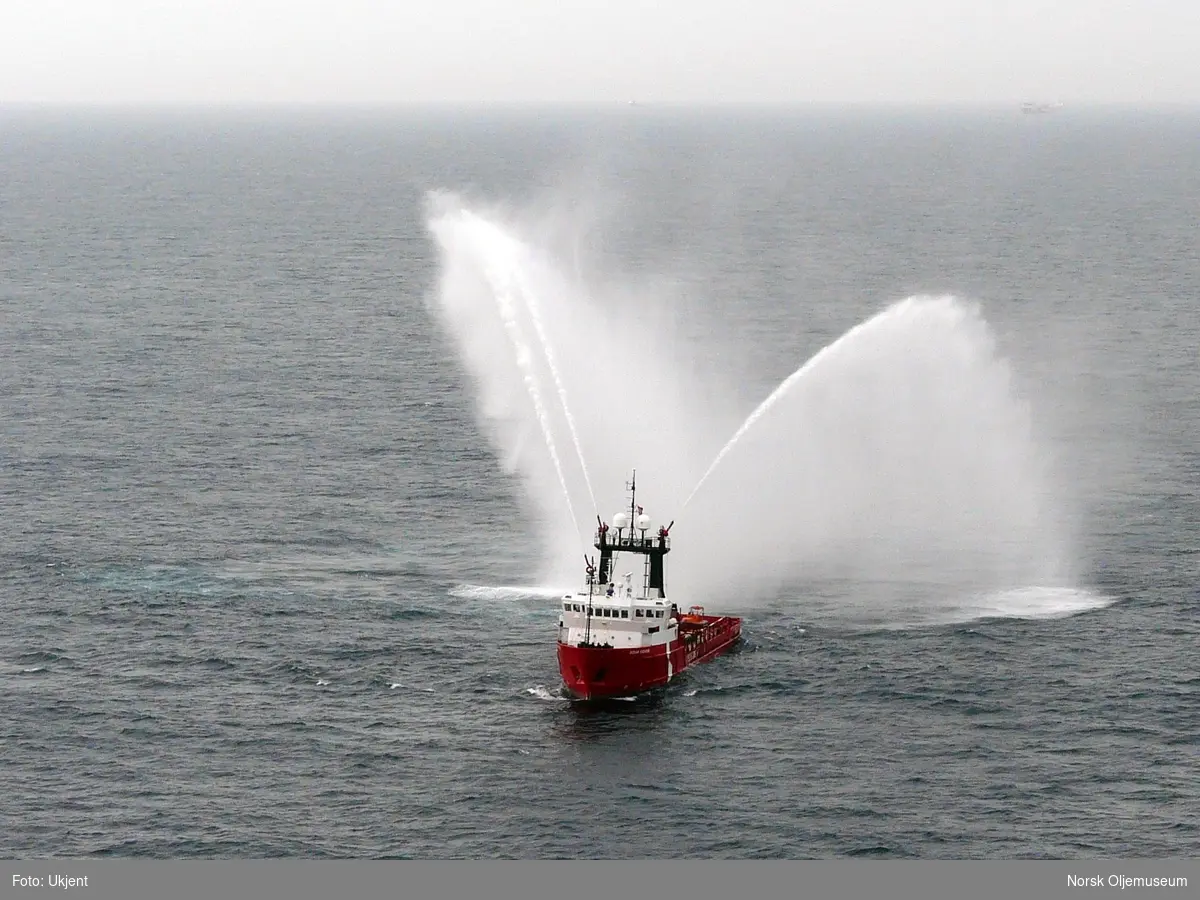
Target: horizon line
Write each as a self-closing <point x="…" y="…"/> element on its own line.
<point x="634" y="104"/>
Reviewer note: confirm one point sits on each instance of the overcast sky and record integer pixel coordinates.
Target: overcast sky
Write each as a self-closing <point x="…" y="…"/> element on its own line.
<point x="231" y="51"/>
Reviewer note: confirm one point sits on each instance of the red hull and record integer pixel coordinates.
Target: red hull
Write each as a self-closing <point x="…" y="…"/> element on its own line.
<point x="592" y="673"/>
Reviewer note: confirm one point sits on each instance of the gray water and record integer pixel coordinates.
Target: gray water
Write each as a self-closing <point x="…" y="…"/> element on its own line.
<point x="269" y="591"/>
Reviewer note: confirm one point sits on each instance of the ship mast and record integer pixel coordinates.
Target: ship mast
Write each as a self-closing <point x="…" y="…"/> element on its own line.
<point x="654" y="549"/>
<point x="632" y="485"/>
<point x="587" y="611"/>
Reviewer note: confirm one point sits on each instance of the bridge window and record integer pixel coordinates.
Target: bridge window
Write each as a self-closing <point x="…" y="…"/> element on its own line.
<point x="637" y="613"/>
<point x="624" y="614"/>
<point x="567" y="607"/>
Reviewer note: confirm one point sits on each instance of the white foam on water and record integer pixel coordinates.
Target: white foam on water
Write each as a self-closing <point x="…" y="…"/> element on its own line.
<point x="915" y="606"/>
<point x="400" y="684"/>
<point x="1035" y="603"/>
<point x="506" y="592"/>
<point x="542" y="693"/>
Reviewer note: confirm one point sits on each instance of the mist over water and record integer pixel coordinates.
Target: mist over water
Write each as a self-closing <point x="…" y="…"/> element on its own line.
<point x="899" y="461"/>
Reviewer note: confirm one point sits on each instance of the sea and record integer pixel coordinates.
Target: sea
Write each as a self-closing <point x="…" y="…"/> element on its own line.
<point x="274" y="576"/>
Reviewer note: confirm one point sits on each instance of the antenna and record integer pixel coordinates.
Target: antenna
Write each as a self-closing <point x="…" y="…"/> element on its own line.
<point x="632" y="485"/>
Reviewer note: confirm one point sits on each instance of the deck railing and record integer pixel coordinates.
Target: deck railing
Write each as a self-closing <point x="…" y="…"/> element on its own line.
<point x="630" y="542"/>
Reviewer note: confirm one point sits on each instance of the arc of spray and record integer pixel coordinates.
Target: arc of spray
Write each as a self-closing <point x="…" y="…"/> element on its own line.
<point x="535" y="315"/>
<point x="508" y="314"/>
<point x="776" y="394"/>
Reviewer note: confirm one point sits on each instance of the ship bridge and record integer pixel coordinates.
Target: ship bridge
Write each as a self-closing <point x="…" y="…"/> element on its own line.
<point x="611" y="612"/>
<point x="615" y="617"/>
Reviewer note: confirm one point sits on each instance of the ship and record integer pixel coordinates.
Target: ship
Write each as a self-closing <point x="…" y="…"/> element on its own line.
<point x="615" y="641"/>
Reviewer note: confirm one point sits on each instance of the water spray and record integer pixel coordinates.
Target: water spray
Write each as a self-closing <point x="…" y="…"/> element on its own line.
<point x="504" y="302"/>
<point x="781" y="390"/>
<point x="902" y="454"/>
<point x="534" y="314"/>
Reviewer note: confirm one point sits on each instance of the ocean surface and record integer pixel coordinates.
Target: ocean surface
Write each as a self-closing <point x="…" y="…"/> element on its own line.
<point x="269" y="589"/>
